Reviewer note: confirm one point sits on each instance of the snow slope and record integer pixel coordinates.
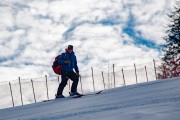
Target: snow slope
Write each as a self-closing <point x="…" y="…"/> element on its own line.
<point x="157" y="100"/>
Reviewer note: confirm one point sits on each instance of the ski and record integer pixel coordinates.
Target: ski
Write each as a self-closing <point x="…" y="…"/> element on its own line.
<point x="77" y="96"/>
<point x="93" y="93"/>
<point x="98" y="92"/>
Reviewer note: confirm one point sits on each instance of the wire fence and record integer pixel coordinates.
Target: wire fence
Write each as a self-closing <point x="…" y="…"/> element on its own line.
<point x="26" y="91"/>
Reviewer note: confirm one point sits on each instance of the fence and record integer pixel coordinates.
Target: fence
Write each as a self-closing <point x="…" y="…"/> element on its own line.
<point x="26" y="91"/>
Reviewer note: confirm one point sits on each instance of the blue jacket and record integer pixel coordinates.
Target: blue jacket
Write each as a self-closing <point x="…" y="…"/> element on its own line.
<point x="68" y="67"/>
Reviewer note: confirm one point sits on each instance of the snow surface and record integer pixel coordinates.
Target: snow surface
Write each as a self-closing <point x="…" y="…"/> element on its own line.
<point x="157" y="100"/>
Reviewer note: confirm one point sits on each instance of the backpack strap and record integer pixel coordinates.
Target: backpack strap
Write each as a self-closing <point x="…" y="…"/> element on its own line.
<point x="63" y="55"/>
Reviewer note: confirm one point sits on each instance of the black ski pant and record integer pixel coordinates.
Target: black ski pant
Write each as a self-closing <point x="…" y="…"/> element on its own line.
<point x="64" y="79"/>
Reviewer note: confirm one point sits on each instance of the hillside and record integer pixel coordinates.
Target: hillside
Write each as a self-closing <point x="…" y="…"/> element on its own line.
<point x="157" y="100"/>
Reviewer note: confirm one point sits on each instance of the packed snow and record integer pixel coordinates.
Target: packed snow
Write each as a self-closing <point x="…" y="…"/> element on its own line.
<point x="156" y="100"/>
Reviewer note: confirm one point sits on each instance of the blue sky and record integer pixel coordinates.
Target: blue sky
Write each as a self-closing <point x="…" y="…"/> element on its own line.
<point x="34" y="32"/>
<point x="138" y="40"/>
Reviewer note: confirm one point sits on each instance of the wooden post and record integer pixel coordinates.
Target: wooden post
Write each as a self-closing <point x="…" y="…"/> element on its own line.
<point x="109" y="84"/>
<point x="103" y="80"/>
<point x="114" y="77"/>
<point x="58" y="80"/>
<point x="33" y="91"/>
<point x="11" y="94"/>
<point x="164" y="69"/>
<point x="135" y="72"/>
<point x="69" y="85"/>
<point x="20" y="90"/>
<point x="93" y="78"/>
<point x="155" y="68"/>
<point x="123" y="77"/>
<point x="81" y="84"/>
<point x="47" y="87"/>
<point x="146" y="73"/>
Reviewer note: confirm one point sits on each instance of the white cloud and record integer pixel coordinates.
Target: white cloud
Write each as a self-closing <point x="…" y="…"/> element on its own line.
<point x="6" y="17"/>
<point x="34" y="32"/>
<point x="151" y="19"/>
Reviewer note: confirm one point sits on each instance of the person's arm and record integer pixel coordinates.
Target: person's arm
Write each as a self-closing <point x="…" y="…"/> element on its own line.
<point x="76" y="66"/>
<point x="61" y="59"/>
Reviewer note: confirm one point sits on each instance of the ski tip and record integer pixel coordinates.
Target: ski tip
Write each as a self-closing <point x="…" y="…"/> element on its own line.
<point x="99" y="92"/>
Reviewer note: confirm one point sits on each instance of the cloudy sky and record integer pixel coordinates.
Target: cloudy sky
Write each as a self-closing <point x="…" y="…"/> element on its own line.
<point x="33" y="32"/>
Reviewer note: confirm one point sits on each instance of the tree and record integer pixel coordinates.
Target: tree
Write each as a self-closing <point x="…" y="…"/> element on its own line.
<point x="170" y="66"/>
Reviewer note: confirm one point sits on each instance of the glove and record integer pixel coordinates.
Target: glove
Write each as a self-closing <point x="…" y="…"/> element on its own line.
<point x="78" y="75"/>
<point x="67" y="61"/>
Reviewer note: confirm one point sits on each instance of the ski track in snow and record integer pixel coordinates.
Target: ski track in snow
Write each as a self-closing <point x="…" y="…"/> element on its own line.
<point x="133" y="102"/>
<point x="110" y="107"/>
<point x="115" y="106"/>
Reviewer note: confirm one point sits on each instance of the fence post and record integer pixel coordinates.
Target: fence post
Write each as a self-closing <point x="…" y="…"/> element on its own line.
<point x="123" y="77"/>
<point x="93" y="78"/>
<point x="164" y="69"/>
<point x="135" y="72"/>
<point x="58" y="79"/>
<point x="69" y="85"/>
<point x="33" y="91"/>
<point x="11" y="94"/>
<point x="155" y="68"/>
<point x="20" y="90"/>
<point x="146" y="73"/>
<point x="47" y="87"/>
<point x="103" y="80"/>
<point x="114" y="77"/>
<point x="81" y="84"/>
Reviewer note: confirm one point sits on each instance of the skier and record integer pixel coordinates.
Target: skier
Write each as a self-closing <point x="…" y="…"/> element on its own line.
<point x="68" y="62"/>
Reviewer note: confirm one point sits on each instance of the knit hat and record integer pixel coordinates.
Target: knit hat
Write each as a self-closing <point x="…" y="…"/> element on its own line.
<point x="70" y="47"/>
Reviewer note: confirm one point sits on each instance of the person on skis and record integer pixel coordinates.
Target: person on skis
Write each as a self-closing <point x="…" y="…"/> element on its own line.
<point x="69" y="64"/>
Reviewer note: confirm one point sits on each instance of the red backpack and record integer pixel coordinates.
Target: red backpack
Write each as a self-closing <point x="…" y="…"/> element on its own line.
<point x="56" y="66"/>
